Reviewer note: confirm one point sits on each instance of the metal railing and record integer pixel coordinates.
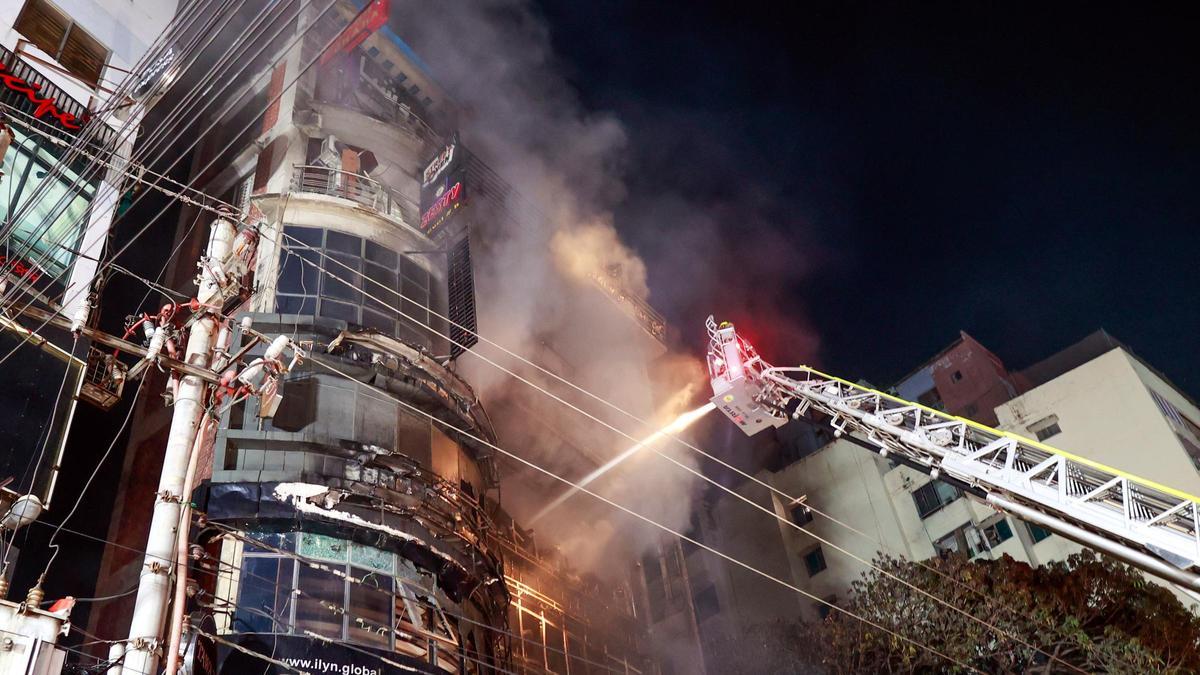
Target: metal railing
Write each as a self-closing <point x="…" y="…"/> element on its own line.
<point x="19" y="71"/>
<point x="355" y="187"/>
<point x="638" y="309"/>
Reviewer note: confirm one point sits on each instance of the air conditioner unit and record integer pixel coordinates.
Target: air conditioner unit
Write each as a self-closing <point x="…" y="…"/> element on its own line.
<point x="329" y="156"/>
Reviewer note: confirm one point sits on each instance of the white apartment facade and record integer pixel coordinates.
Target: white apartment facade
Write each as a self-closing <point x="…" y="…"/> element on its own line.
<point x="1096" y="399"/>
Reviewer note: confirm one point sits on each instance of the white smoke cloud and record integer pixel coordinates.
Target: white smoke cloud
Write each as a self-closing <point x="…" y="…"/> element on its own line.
<point x="534" y="286"/>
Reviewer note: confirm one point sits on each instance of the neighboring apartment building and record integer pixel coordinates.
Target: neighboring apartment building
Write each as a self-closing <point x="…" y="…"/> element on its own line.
<point x="357" y="173"/>
<point x="60" y="63"/>
<point x="1095" y="399"/>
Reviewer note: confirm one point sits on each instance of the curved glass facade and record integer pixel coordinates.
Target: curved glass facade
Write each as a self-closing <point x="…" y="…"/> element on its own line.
<point x="347" y="592"/>
<point x="343" y="276"/>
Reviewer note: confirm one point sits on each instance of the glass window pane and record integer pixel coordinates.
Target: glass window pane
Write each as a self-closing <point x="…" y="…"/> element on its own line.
<point x="295" y="304"/>
<point x="371" y="608"/>
<point x="343" y="243"/>
<point x="309" y="235"/>
<point x="49" y="226"/>
<point x="276" y="540"/>
<point x="318" y="609"/>
<point x="340" y="282"/>
<point x="381" y="255"/>
<point x="382" y="285"/>
<point x="381" y="322"/>
<point x="407" y="332"/>
<point x="414" y="312"/>
<point x="416" y="292"/>
<point x="339" y="310"/>
<point x="299" y="272"/>
<point x="372" y="558"/>
<point x="414" y="272"/>
<point x="266" y="585"/>
<point x="946" y="492"/>
<point x="322" y="547"/>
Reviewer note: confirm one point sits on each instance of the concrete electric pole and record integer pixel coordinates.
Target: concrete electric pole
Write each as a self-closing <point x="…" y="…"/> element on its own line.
<point x="145" y="630"/>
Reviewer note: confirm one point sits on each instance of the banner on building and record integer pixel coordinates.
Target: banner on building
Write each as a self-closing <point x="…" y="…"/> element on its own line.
<point x="314" y="656"/>
<point x="373" y="17"/>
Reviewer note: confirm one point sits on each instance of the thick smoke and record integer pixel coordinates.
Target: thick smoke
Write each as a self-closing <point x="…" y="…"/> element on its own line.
<point x="535" y="283"/>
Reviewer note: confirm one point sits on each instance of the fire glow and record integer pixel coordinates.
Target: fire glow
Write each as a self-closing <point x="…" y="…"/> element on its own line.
<point x="682" y="422"/>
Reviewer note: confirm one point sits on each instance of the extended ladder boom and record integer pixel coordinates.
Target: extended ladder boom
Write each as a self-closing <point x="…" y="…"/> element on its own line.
<point x="1151" y="526"/>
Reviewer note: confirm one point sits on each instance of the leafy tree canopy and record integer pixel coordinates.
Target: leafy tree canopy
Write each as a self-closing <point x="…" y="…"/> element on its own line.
<point x="1086" y="613"/>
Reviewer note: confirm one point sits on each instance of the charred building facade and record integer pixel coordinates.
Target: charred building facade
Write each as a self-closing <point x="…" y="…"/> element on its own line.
<point x="356" y="526"/>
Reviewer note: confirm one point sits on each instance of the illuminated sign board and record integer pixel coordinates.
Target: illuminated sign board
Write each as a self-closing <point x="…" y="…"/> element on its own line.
<point x="438" y="165"/>
<point x="45" y="106"/>
<point x="369" y="20"/>
<point x="20" y="268"/>
<point x="443" y="188"/>
<point x="444" y="206"/>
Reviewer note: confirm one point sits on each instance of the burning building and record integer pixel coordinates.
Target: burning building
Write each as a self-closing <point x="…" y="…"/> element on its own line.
<point x="358" y="523"/>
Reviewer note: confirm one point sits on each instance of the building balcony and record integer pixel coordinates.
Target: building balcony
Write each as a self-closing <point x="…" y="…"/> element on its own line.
<point x="362" y="190"/>
<point x="318" y="196"/>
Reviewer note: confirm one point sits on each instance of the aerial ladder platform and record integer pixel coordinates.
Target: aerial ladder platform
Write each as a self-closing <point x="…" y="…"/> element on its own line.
<point x="1150" y="526"/>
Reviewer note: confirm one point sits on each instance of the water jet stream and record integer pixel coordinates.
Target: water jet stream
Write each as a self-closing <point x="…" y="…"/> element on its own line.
<point x="682" y="422"/>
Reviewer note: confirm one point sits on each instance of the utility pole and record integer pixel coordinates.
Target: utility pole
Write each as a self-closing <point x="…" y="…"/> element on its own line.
<point x="207" y="373"/>
<point x="144" y="645"/>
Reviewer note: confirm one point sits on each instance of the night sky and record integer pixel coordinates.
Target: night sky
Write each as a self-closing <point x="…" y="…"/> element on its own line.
<point x="871" y="179"/>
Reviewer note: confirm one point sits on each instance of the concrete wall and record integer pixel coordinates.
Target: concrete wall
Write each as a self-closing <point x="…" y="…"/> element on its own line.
<point x="1105" y="411"/>
<point x="969" y="380"/>
<point x="846" y="482"/>
<point x="126" y="27"/>
<point x="1107" y="414"/>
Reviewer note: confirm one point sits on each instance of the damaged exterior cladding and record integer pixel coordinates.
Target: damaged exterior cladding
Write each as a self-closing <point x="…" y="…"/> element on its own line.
<point x="351" y="526"/>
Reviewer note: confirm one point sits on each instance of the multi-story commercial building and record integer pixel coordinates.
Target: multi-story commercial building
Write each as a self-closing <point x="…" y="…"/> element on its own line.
<point x="359" y="524"/>
<point x="61" y="62"/>
<point x="1096" y="399"/>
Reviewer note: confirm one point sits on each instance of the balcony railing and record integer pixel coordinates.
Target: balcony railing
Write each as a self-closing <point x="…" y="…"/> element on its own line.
<point x="21" y="98"/>
<point x="355" y="187"/>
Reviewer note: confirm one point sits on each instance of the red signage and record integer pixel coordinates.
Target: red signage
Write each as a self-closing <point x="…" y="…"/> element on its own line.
<point x="44" y="105"/>
<point x="20" y="268"/>
<point x="441" y="208"/>
<point x="369" y="20"/>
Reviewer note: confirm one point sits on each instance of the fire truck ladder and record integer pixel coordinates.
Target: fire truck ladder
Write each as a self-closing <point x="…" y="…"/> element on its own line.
<point x="1150" y="526"/>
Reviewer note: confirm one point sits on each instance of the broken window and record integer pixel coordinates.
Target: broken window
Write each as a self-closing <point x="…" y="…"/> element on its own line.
<point x="370" y="609"/>
<point x="997" y="532"/>
<point x="931" y="399"/>
<point x="824" y="609"/>
<point x="706" y="603"/>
